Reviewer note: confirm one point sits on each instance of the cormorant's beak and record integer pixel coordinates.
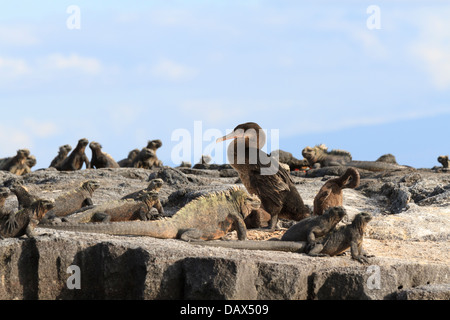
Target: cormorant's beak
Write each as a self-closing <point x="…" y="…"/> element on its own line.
<point x="232" y="135"/>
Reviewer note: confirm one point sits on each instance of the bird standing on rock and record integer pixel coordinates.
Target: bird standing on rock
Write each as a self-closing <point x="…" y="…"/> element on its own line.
<point x="263" y="176"/>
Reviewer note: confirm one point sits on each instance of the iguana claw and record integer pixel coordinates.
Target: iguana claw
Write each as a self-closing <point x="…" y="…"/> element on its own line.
<point x="11" y="224"/>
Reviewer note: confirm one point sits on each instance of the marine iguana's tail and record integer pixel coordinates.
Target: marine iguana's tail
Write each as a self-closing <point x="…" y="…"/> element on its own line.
<point x="376" y="166"/>
<point x="286" y="246"/>
<point x="156" y="229"/>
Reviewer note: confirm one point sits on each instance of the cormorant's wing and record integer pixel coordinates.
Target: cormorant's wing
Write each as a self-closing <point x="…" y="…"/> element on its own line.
<point x="272" y="187"/>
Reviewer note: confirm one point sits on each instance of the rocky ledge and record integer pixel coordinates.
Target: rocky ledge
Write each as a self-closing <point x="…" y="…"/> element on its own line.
<point x="408" y="235"/>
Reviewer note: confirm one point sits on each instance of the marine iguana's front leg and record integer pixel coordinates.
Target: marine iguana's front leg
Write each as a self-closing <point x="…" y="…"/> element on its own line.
<point x="101" y="217"/>
<point x="147" y="215"/>
<point x="312" y="240"/>
<point x="11" y="224"/>
<point x="357" y="253"/>
<point x="87" y="202"/>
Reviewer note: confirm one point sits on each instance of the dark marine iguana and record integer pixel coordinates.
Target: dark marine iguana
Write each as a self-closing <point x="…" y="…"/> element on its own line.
<point x="331" y="194"/>
<point x="315" y="227"/>
<point x="100" y="159"/>
<point x="146" y="159"/>
<point x="333" y="244"/>
<point x="62" y="155"/>
<point x="320" y="156"/>
<point x="154" y="185"/>
<point x="208" y="217"/>
<point x="120" y="210"/>
<point x="23" y="222"/>
<point x="17" y="164"/>
<point x="155" y="145"/>
<point x="74" y="200"/>
<point x="4" y="194"/>
<point x="444" y="161"/>
<point x="128" y="162"/>
<point x="340" y="240"/>
<point x="24" y="197"/>
<point x="76" y="158"/>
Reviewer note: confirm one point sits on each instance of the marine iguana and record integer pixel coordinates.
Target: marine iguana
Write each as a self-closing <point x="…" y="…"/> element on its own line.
<point x="119" y="210"/>
<point x="24" y="197"/>
<point x="4" y="194"/>
<point x="287" y="158"/>
<point x="76" y="158"/>
<point x="154" y="145"/>
<point x="340" y="240"/>
<point x="313" y="228"/>
<point x="31" y="162"/>
<point x="146" y="159"/>
<point x="128" y="162"/>
<point x="320" y="156"/>
<point x="333" y="244"/>
<point x="74" y="200"/>
<point x="100" y="159"/>
<point x="444" y="161"/>
<point x="15" y="225"/>
<point x="62" y="155"/>
<point x="155" y="185"/>
<point x="263" y="176"/>
<point x="205" y="218"/>
<point x="331" y="194"/>
<point x="17" y="164"/>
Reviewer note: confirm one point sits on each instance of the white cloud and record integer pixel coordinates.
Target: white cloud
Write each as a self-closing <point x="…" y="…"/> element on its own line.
<point x="432" y="48"/>
<point x="12" y="67"/>
<point x="17" y="36"/>
<point x="173" y="71"/>
<point x="73" y="61"/>
<point x="43" y="129"/>
<point x="13" y="140"/>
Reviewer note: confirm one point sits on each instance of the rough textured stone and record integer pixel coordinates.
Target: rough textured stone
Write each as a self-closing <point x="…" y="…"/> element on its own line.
<point x="410" y="247"/>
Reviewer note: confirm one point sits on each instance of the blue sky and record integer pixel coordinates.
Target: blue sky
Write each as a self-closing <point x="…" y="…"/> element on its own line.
<point x="140" y="70"/>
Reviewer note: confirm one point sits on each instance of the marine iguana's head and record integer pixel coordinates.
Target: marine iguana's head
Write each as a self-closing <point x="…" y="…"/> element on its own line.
<point x="67" y="148"/>
<point x="147" y="153"/>
<point x="95" y="145"/>
<point x="4" y="193"/>
<point x="82" y="143"/>
<point x="443" y="160"/>
<point x="154" y="144"/>
<point x="313" y="155"/>
<point x="31" y="161"/>
<point x="23" y="154"/>
<point x="91" y="185"/>
<point x="247" y="202"/>
<point x="361" y="221"/>
<point x="133" y="153"/>
<point x="41" y="207"/>
<point x="155" y="184"/>
<point x="335" y="214"/>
